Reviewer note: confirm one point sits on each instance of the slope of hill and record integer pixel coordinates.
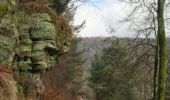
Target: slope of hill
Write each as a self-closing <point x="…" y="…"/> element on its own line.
<point x="91" y="46"/>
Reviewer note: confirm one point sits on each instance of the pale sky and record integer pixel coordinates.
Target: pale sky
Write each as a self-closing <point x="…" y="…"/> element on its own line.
<point x="100" y="15"/>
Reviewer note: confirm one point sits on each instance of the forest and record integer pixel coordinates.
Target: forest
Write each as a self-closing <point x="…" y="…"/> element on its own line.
<point x="59" y="50"/>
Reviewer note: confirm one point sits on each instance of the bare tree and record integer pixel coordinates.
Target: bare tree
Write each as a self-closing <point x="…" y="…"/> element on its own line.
<point x="151" y="21"/>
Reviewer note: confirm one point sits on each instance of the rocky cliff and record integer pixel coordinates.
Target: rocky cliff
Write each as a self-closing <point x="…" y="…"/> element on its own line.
<point x="32" y="37"/>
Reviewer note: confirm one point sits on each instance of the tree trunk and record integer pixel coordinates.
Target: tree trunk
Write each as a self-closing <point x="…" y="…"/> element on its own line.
<point x="162" y="50"/>
<point x="156" y="71"/>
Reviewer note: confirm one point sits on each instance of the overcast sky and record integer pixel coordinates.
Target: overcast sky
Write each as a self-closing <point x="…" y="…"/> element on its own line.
<point x="100" y="16"/>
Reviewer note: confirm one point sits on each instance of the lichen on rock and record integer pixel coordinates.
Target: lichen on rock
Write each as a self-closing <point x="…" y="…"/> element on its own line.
<point x="31" y="42"/>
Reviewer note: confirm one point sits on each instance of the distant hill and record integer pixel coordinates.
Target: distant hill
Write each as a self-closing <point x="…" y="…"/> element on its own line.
<point x="91" y="46"/>
<point x="94" y="45"/>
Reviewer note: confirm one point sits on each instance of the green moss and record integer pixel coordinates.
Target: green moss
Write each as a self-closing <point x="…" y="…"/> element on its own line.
<point x="3" y="9"/>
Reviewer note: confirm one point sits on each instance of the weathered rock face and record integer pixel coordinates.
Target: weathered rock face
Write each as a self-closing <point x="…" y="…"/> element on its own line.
<point x="29" y="49"/>
<point x="37" y="48"/>
<point x="8" y="38"/>
<point x="32" y="37"/>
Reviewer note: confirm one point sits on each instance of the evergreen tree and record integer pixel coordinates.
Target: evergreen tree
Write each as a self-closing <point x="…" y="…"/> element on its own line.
<point x="112" y="75"/>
